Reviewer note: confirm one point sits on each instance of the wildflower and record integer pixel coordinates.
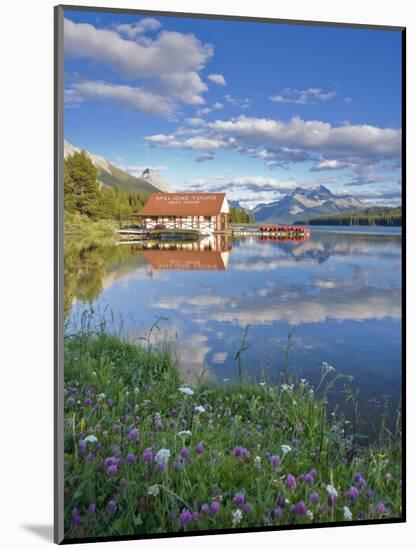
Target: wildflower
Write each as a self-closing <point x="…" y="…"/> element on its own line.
<point x="257" y="462"/>
<point x="161" y="466"/>
<point x="300" y="508"/>
<point x="131" y="458"/>
<point x="185" y="517"/>
<point x="88" y="401"/>
<point x="82" y="446"/>
<point x="347" y="513"/>
<point x="291" y="482"/>
<point x="246" y="508"/>
<point x="70" y="401"/>
<point x="310" y="476"/>
<point x="82" y="424"/>
<point x="275" y="461"/>
<point x="75" y="517"/>
<point x="109" y="403"/>
<point x="133" y="434"/>
<point x="309" y="513"/>
<point x="214" y="507"/>
<point x="389" y="476"/>
<point x="178" y="465"/>
<point x="205" y="509"/>
<point x="153" y="490"/>
<point x="286" y="449"/>
<point x="90" y="457"/>
<point x="185" y="390"/>
<point x="147" y="455"/>
<point x="238" y="451"/>
<point x="112" y="507"/>
<point x="353" y="493"/>
<point x="381" y="509"/>
<point x="100" y="396"/>
<point x="185" y="453"/>
<point x="327" y="367"/>
<point x="90" y="439"/>
<point x="239" y="499"/>
<point x="162" y="456"/>
<point x="331" y="491"/>
<point x="91" y="509"/>
<point x="199" y="449"/>
<point x="112" y="470"/>
<point x="237" y="517"/>
<point x="185" y="433"/>
<point x="278" y="512"/>
<point x="314" y="497"/>
<point x="200" y="409"/>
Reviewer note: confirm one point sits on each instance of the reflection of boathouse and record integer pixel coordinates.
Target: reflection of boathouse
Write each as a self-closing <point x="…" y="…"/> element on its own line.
<point x="210" y="253"/>
<point x="205" y="211"/>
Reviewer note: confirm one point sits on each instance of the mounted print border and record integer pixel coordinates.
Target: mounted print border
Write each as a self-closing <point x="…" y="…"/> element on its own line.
<point x="264" y="425"/>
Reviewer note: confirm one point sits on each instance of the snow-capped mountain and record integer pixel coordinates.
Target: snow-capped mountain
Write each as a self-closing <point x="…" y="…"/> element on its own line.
<point x="155" y="179"/>
<point x="304" y="204"/>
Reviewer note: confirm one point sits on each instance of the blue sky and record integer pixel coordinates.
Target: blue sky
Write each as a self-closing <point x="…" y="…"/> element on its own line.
<point x="250" y="108"/>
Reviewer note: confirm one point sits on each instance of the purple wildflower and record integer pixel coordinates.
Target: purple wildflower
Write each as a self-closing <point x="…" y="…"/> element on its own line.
<point x="75" y="517"/>
<point x="238" y="451"/>
<point x="353" y="493"/>
<point x="195" y="515"/>
<point x="275" y="461"/>
<point x="199" y="449"/>
<point x="214" y="507"/>
<point x="82" y="446"/>
<point x="90" y="457"/>
<point x="178" y="465"/>
<point x="381" y="509"/>
<point x="300" y="508"/>
<point x="133" y="434"/>
<point x="112" y="470"/>
<point x="185" y="517"/>
<point x="91" y="509"/>
<point x="185" y="453"/>
<point x="239" y="499"/>
<point x="147" y="455"/>
<point x="161" y="466"/>
<point x="310" y="477"/>
<point x="88" y="401"/>
<point x="314" y="497"/>
<point x="109" y="403"/>
<point x="361" y="515"/>
<point x="70" y="401"/>
<point x="205" y="509"/>
<point x="278" y="512"/>
<point x="246" y="508"/>
<point x="291" y="482"/>
<point x="131" y="458"/>
<point x="73" y="390"/>
<point x="112" y="507"/>
<point x="370" y="493"/>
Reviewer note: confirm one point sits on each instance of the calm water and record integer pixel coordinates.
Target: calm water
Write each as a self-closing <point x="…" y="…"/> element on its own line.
<point x="338" y="294"/>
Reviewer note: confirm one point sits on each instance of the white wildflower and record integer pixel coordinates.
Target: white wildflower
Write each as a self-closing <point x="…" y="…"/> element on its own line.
<point x="100" y="396"/>
<point x="262" y="384"/>
<point x="162" y="455"/>
<point x="200" y="409"/>
<point x="94" y="373"/>
<point x="285" y="387"/>
<point x="91" y="439"/>
<point x="286" y="449"/>
<point x="185" y="390"/>
<point x="309" y="513"/>
<point x="146" y="402"/>
<point x="331" y="491"/>
<point x="153" y="490"/>
<point x="237" y="517"/>
<point x="327" y="367"/>
<point x="185" y="433"/>
<point x="303" y="381"/>
<point x="257" y="462"/>
<point x="347" y="513"/>
<point x="226" y="380"/>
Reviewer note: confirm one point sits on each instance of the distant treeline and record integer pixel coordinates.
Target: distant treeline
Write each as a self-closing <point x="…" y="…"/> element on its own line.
<point x="83" y="195"/>
<point x="374" y="215"/>
<point x="238" y="215"/>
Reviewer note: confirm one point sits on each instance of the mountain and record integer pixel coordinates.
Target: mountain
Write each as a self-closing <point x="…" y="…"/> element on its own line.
<point x="153" y="178"/>
<point x="112" y="176"/>
<point x="305" y="203"/>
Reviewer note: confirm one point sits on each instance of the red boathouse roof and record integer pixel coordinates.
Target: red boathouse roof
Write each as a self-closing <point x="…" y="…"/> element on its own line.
<point x="183" y="204"/>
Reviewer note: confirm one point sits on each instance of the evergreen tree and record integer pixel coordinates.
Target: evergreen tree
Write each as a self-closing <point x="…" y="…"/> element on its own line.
<point x="81" y="189"/>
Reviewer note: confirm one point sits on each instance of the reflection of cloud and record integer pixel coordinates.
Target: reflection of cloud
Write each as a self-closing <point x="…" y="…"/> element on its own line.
<point x="219" y="358"/>
<point x="192" y="352"/>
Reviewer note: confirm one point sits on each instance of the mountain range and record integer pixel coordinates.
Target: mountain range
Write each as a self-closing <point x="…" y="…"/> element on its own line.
<point x="305" y="204"/>
<point x="112" y="176"/>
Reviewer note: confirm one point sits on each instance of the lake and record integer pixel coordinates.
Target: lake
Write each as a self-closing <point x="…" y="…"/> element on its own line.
<point x="337" y="294"/>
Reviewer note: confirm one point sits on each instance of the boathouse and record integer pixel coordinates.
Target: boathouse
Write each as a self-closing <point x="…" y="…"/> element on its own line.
<point x="205" y="211"/>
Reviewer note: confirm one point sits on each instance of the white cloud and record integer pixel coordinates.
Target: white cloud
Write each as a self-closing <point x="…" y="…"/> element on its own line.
<point x="204" y="157"/>
<point x="313" y="135"/>
<point x="195" y="121"/>
<point x="310" y="96"/>
<point x="199" y="143"/>
<point x="133" y="97"/>
<point x="217" y="79"/>
<point x="173" y="60"/>
<point x="330" y="164"/>
<point x="206" y="110"/>
<point x="131" y="30"/>
<point x="347" y="100"/>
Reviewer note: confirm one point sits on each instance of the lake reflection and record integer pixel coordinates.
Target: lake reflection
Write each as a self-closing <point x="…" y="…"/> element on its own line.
<point x="339" y="295"/>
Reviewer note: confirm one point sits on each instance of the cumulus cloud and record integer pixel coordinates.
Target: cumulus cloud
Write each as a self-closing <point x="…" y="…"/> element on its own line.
<point x="198" y="143"/>
<point x="206" y="110"/>
<point x="171" y="61"/>
<point x="217" y="79"/>
<point x="133" y="97"/>
<point x="310" y="96"/>
<point x="131" y="30"/>
<point x="360" y="140"/>
<point x="204" y="157"/>
<point x="331" y="164"/>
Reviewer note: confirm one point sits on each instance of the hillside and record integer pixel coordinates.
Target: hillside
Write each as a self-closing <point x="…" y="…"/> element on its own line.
<point x="112" y="176"/>
<point x="374" y="215"/>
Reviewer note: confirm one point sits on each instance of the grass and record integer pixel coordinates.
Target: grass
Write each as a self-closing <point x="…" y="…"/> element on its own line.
<point x="145" y="454"/>
<point x="76" y="225"/>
